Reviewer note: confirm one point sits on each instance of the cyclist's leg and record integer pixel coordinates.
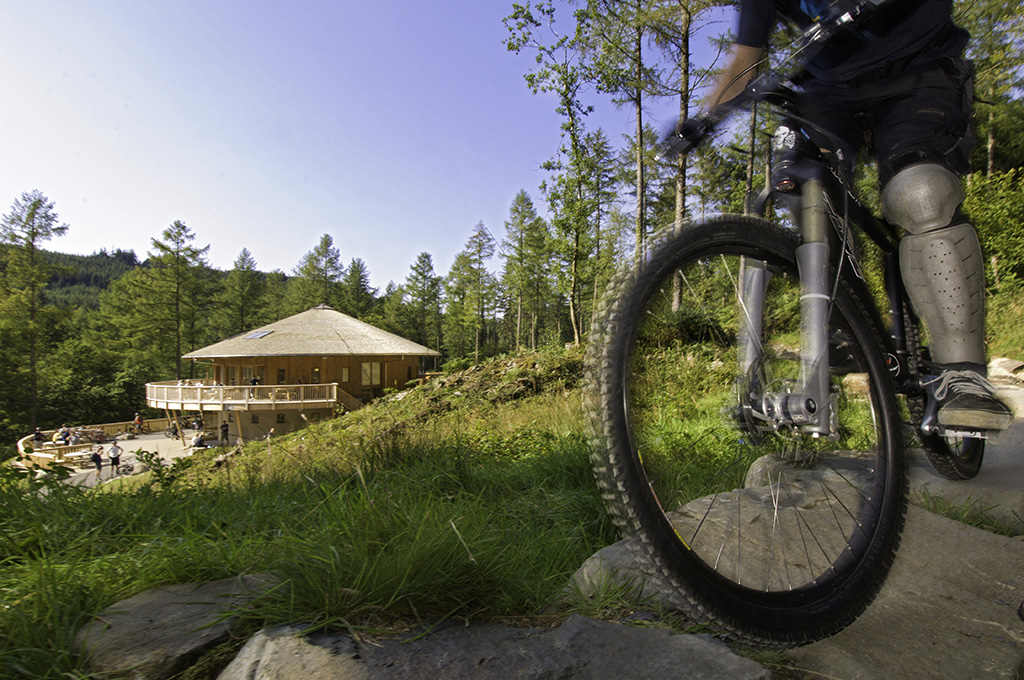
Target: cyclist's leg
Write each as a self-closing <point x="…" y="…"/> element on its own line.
<point x="923" y="139"/>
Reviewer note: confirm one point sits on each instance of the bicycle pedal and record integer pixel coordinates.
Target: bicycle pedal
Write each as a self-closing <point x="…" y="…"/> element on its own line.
<point x="966" y="434"/>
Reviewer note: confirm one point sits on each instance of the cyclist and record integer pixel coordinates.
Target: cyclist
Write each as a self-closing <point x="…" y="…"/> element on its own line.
<point x="899" y="84"/>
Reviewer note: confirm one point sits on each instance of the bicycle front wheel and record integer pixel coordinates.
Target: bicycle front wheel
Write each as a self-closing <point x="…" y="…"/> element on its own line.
<point x="776" y="536"/>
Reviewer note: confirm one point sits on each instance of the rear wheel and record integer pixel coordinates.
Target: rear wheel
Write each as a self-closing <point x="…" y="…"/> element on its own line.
<point x="777" y="536"/>
<point x="954" y="457"/>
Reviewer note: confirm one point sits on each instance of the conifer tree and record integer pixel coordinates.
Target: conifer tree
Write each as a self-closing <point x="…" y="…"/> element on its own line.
<point x="317" y="277"/>
<point x="356" y="296"/>
<point x="31" y="222"/>
<point x="240" y="306"/>
<point x="525" y="251"/>
<point x="423" y="294"/>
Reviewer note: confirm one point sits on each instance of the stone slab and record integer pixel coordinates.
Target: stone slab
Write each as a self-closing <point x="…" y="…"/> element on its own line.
<point x="949" y="609"/>
<point x="581" y="648"/>
<point x="159" y="632"/>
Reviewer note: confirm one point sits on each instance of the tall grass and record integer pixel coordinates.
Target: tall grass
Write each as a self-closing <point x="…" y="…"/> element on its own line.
<point x="450" y="519"/>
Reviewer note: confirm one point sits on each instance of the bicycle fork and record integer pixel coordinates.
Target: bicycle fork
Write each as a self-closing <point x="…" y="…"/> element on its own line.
<point x="808" y="406"/>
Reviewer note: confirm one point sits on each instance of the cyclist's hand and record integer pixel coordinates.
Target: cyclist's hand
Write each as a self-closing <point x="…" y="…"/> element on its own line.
<point x="688" y="134"/>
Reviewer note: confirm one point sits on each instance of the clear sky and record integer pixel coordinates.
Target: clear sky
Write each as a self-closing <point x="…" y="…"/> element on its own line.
<point x="392" y="125"/>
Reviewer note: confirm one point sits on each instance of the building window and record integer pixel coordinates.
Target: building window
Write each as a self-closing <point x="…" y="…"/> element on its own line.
<point x="371" y="373"/>
<point x="255" y="417"/>
<point x="316" y="375"/>
<point x="281" y="375"/>
<point x="344" y="374"/>
<point x="280" y="417"/>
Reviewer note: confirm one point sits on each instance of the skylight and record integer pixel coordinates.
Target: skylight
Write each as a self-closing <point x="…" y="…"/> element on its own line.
<point x="256" y="335"/>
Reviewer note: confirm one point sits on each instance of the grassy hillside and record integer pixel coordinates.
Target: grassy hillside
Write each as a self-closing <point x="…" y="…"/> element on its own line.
<point x="471" y="496"/>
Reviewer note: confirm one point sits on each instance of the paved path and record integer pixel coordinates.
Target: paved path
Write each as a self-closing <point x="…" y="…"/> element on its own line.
<point x="157" y="442"/>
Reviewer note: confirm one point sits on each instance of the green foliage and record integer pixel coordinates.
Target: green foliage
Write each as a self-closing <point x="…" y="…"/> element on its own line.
<point x="469" y="294"/>
<point x="1005" y="322"/>
<point x="160" y="472"/>
<point x="356" y="296"/>
<point x="996" y="206"/>
<point x="1000" y="133"/>
<point x="103" y="325"/>
<point x="78" y="280"/>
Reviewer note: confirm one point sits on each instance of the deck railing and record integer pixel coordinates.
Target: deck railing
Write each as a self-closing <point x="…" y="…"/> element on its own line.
<point x="204" y="395"/>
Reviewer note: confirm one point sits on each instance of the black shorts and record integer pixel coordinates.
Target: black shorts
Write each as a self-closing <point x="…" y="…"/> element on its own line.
<point x="921" y="115"/>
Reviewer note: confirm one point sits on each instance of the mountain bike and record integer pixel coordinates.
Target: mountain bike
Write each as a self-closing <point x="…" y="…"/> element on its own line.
<point x="748" y="401"/>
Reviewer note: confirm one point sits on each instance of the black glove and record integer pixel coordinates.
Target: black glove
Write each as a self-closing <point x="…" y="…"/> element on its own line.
<point x="688" y="134"/>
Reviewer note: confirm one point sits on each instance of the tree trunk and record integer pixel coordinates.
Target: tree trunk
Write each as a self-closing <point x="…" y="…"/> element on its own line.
<point x="638" y="103"/>
<point x="684" y="112"/>
<point x="748" y="201"/>
<point x="573" y="288"/>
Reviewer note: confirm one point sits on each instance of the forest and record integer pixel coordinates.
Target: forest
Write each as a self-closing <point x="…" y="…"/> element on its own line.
<point x="83" y="334"/>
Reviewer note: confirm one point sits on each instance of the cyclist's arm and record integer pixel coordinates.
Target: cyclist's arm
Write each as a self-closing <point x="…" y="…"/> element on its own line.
<point x="738" y="70"/>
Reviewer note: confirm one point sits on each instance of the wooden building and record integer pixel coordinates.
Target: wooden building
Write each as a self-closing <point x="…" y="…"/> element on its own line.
<point x="293" y="370"/>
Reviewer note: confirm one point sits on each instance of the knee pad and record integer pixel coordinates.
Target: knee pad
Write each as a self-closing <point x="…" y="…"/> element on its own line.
<point x="922" y="198"/>
<point x="945" y="279"/>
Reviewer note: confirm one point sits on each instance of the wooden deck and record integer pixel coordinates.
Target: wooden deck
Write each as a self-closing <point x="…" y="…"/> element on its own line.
<point x="200" y="396"/>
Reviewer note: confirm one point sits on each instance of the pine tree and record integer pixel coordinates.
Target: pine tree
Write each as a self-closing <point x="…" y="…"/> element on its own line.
<point x="317" y="277"/>
<point x="159" y="310"/>
<point x="356" y="296"/>
<point x="423" y="294"/>
<point x="240" y="306"/>
<point x="469" y="295"/>
<point x="525" y="251"/>
<point x="31" y="222"/>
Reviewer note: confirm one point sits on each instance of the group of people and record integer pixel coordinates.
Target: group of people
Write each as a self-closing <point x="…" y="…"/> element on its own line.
<point x="64" y="436"/>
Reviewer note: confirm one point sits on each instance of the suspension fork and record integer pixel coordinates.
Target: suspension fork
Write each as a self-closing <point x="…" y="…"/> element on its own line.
<point x="808" y="406"/>
<point x="812" y="259"/>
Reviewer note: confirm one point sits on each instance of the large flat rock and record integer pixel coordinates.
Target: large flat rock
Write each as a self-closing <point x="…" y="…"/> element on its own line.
<point x="581" y="649"/>
<point x="158" y="633"/>
<point x="947" y="610"/>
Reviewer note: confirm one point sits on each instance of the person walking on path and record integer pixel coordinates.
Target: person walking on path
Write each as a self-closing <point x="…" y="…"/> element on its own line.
<point x="97" y="460"/>
<point x="137" y="424"/>
<point x="224" y="436"/>
<point x="115" y="458"/>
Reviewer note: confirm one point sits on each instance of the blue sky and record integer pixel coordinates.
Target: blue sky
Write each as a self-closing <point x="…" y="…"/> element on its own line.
<point x="393" y="125"/>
